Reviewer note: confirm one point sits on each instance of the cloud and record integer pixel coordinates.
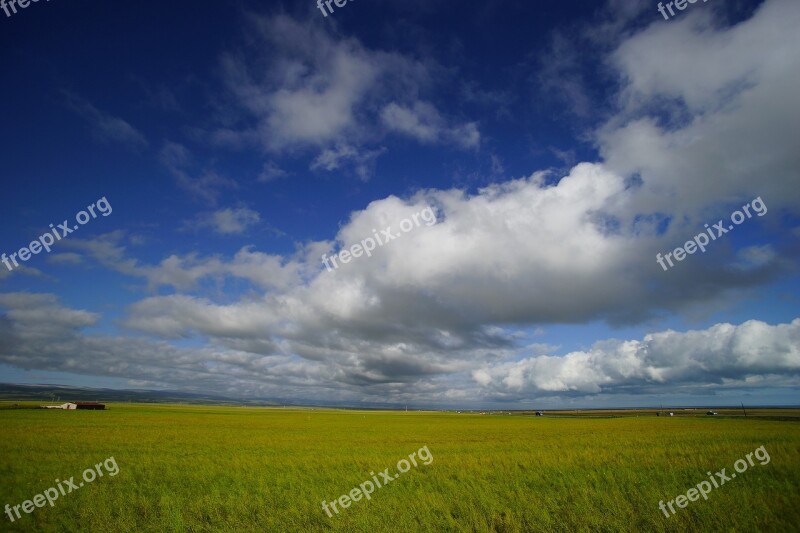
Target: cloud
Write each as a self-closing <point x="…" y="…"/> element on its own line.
<point x="425" y="317"/>
<point x="271" y="172"/>
<point x="26" y="309"/>
<point x="308" y="94"/>
<point x="106" y="128"/>
<point x="523" y="252"/>
<point x="318" y="91"/>
<point x="363" y="162"/>
<point x="21" y="269"/>
<point x="721" y="356"/>
<point x="424" y="123"/>
<point x="566" y="69"/>
<point x="205" y="185"/>
<point x="700" y="110"/>
<point x="529" y="251"/>
<point x="227" y="221"/>
<point x="560" y="77"/>
<point x="38" y="332"/>
<point x="711" y="121"/>
<point x="65" y="259"/>
<point x="184" y="272"/>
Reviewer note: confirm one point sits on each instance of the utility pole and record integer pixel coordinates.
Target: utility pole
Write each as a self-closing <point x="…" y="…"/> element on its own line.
<point x="745" y="412"/>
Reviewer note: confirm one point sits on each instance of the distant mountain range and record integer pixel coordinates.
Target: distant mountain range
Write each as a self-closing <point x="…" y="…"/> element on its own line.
<point x="51" y="394"/>
<point x="54" y="393"/>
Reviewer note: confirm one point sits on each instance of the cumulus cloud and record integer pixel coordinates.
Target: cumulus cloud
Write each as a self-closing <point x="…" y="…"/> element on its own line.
<point x="533" y="250"/>
<point x="723" y="355"/>
<point x="425" y="308"/>
<point x="710" y="121"/>
<point x="38" y="332"/>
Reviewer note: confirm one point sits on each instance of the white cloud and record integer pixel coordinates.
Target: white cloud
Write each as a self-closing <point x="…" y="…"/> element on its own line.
<point x="526" y="251"/>
<point x="317" y="90"/>
<point x="37" y="332"/>
<point x="753" y="257"/>
<point x="68" y="258"/>
<point x="722" y="355"/>
<point x="425" y="305"/>
<point x="183" y="272"/>
<point x="423" y="122"/>
<point x="26" y="309"/>
<point x="363" y="161"/>
<point x="707" y="114"/>
<point x="228" y="221"/>
<point x="21" y="269"/>
<point x="309" y="94"/>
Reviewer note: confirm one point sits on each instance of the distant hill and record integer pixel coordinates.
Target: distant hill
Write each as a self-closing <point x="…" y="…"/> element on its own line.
<point x="50" y="393"/>
<point x="47" y="393"/>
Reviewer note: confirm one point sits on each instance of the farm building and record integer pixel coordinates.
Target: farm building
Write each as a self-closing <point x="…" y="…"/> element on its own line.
<point x="62" y="406"/>
<point x="90" y="405"/>
<point x="77" y="405"/>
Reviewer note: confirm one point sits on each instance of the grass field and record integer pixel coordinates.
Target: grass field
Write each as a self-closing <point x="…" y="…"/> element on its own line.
<point x="193" y="468"/>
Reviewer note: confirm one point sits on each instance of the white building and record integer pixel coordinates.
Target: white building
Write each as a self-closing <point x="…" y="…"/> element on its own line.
<point x="62" y="406"/>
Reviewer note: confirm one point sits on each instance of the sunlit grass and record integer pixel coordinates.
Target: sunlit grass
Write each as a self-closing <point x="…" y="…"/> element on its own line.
<point x="244" y="469"/>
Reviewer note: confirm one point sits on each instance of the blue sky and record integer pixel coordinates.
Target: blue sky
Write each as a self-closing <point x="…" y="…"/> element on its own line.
<point x="561" y="145"/>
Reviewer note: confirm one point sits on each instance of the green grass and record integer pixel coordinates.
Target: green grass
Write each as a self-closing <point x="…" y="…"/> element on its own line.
<point x="234" y="469"/>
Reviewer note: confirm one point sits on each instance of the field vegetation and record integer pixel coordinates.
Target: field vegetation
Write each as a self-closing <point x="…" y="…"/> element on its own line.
<point x="195" y="468"/>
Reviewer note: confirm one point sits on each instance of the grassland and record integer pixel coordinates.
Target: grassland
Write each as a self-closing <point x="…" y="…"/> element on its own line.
<point x="191" y="468"/>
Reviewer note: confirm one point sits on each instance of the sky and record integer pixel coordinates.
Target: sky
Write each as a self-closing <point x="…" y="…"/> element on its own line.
<point x="518" y="172"/>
